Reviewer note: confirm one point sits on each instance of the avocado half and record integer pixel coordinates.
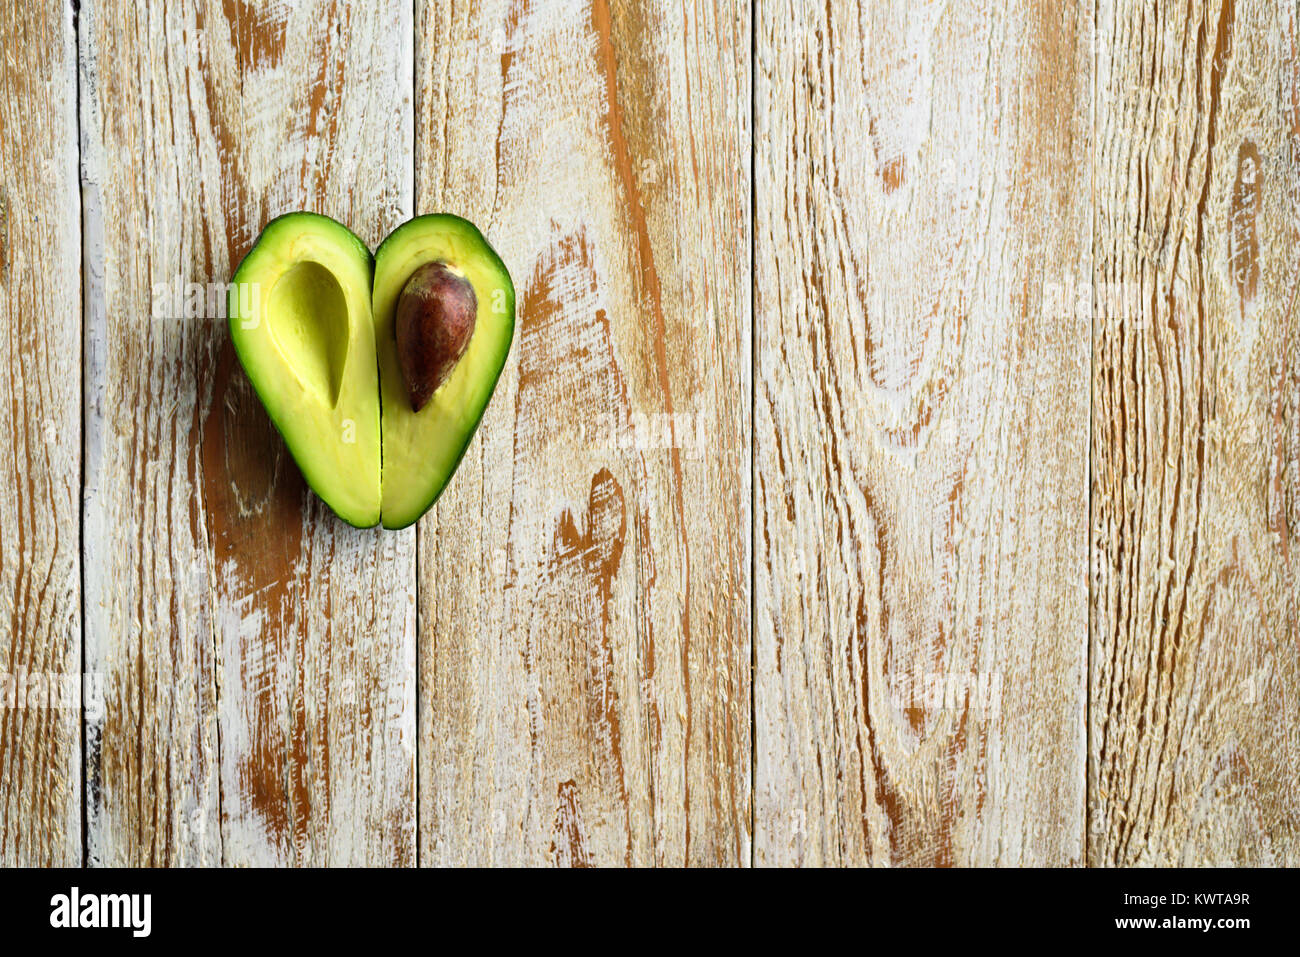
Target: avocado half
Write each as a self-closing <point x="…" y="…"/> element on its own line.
<point x="422" y="449"/>
<point x="311" y="314"/>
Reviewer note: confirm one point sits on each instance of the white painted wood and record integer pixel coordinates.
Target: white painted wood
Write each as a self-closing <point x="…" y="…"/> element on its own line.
<point x="258" y="653"/>
<point x="40" y="437"/>
<point x="937" y="185"/>
<point x="584" y="613"/>
<point x="1195" y="683"/>
<point x="921" y="436"/>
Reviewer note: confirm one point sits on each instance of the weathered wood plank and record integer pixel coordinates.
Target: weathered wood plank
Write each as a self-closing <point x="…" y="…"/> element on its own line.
<point x="259" y="654"/>
<point x="921" y="432"/>
<point x="1195" y="681"/>
<point x="584" y="610"/>
<point x="40" y="435"/>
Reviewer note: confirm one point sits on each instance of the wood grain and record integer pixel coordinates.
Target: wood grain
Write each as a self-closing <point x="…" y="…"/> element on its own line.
<point x="1195" y="680"/>
<point x="584" y="602"/>
<point x="258" y="653"/>
<point x="1015" y="502"/>
<point x="40" y="435"/>
<point x="920" y="432"/>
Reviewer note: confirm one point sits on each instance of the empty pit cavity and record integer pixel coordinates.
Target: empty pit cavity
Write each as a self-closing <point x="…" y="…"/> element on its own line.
<point x="308" y="316"/>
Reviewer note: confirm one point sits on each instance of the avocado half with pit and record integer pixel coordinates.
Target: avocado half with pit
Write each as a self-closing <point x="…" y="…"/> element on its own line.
<point x="377" y="370"/>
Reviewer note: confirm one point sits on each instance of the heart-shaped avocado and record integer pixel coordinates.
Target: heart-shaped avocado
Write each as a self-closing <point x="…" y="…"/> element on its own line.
<point x="377" y="370"/>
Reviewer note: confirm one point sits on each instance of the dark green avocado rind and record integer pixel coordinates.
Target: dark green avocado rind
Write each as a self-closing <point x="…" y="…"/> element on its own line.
<point x="269" y="231"/>
<point x="432" y="219"/>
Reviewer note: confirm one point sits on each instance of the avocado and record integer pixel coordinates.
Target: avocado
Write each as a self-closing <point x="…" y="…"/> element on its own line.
<point x="377" y="370"/>
<point x="444" y="318"/>
<point x="300" y="317"/>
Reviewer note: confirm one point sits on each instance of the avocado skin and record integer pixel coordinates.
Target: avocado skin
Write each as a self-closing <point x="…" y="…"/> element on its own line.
<point x="286" y="224"/>
<point x="447" y="223"/>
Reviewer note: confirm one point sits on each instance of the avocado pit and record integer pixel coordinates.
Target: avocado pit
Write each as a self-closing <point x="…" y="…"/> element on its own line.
<point x="435" y="318"/>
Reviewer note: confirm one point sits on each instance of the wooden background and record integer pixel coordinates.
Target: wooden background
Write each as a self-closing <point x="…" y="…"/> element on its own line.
<point x="897" y="463"/>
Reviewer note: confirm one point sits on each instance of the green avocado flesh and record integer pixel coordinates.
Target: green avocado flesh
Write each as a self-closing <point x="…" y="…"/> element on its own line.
<point x="312" y="319"/>
<point x="422" y="449"/>
<point x="304" y="332"/>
